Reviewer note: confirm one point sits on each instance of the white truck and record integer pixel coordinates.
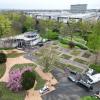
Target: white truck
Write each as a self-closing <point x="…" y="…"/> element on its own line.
<point x="93" y="78"/>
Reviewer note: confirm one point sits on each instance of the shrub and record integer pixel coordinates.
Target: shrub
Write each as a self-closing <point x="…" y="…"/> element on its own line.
<point x="71" y="44"/>
<point x="81" y="46"/>
<point x="80" y="40"/>
<point x="51" y="35"/>
<point x="95" y="67"/>
<point x="3" y="58"/>
<point x="28" y="80"/>
<point x="64" y="40"/>
<point x="86" y="54"/>
<point x="15" y="79"/>
<point x="2" y="69"/>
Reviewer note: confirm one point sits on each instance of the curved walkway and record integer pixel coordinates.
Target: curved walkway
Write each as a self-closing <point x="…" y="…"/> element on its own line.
<point x="9" y="64"/>
<point x="32" y="95"/>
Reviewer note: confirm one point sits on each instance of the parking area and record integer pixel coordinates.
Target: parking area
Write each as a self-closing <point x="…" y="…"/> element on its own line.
<point x="67" y="90"/>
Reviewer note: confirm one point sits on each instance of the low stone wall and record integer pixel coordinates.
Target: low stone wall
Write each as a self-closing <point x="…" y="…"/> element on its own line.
<point x="7" y="44"/>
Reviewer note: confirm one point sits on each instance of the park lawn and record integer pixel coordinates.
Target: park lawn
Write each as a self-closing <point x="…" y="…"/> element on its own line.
<point x="2" y="69"/>
<point x="6" y="94"/>
<point x="40" y="82"/>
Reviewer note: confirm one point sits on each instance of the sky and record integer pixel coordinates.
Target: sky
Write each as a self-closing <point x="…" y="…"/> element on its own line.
<point x="46" y="4"/>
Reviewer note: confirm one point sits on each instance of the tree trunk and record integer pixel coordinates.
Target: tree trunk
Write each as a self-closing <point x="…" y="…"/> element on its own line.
<point x="96" y="57"/>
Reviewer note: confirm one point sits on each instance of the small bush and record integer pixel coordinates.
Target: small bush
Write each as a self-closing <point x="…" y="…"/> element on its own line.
<point x="81" y="46"/>
<point x="86" y="54"/>
<point x="3" y="58"/>
<point x="71" y="44"/>
<point x="28" y="80"/>
<point x="64" y="40"/>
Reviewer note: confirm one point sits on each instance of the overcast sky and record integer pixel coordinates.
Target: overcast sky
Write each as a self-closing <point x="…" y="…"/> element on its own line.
<point x="46" y="4"/>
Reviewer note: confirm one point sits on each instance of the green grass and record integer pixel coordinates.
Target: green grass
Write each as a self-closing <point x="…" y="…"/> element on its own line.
<point x="95" y="67"/>
<point x="62" y="66"/>
<point x="75" y="52"/>
<point x="65" y="56"/>
<point x="2" y="69"/>
<point x="7" y="48"/>
<point x="81" y="61"/>
<point x="89" y="98"/>
<point x="40" y="82"/>
<point x="80" y="40"/>
<point x="23" y="65"/>
<point x="63" y="45"/>
<point x="6" y="94"/>
<point x="14" y="55"/>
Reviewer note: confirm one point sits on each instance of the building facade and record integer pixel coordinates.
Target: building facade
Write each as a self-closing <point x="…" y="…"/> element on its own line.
<point x="78" y="8"/>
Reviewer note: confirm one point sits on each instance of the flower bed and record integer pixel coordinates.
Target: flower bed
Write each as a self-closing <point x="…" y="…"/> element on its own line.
<point x="75" y="52"/>
<point x="71" y="67"/>
<point x="65" y="56"/>
<point x="81" y="61"/>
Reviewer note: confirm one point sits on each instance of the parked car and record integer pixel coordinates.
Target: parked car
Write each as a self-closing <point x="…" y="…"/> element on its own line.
<point x="72" y="78"/>
<point x="85" y="84"/>
<point x="44" y="89"/>
<point x="40" y="44"/>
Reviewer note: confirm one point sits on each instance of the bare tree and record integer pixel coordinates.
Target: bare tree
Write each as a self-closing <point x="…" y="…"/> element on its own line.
<point x="48" y="58"/>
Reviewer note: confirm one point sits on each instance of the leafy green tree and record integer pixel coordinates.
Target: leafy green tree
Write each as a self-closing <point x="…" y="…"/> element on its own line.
<point x="64" y="30"/>
<point x="72" y="26"/>
<point x="29" y="23"/>
<point x="85" y="28"/>
<point x="94" y="40"/>
<point x="51" y="35"/>
<point x="28" y="80"/>
<point x="5" y="26"/>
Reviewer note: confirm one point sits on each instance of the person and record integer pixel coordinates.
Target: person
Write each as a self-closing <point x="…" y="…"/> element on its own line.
<point x="97" y="94"/>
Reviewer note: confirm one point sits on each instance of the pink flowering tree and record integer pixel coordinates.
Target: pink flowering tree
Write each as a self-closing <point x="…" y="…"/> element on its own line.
<point x="15" y="78"/>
